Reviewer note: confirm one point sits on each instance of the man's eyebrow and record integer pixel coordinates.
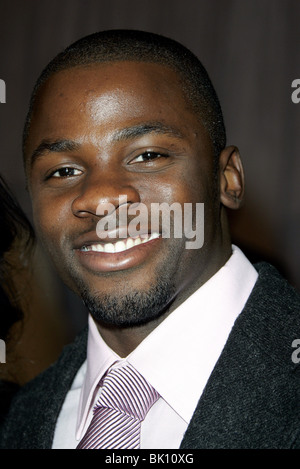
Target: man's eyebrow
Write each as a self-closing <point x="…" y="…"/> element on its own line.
<point x="58" y="146"/>
<point x="128" y="133"/>
<point x="139" y="130"/>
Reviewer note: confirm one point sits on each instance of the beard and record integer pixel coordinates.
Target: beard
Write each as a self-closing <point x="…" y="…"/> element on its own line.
<point x="131" y="309"/>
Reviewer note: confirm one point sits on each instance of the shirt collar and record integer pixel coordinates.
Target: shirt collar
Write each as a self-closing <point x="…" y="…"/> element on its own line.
<point x="178" y="357"/>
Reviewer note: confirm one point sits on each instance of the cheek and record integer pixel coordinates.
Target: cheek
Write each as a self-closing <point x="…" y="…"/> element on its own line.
<point x="49" y="218"/>
<point x="179" y="190"/>
<point x="169" y="188"/>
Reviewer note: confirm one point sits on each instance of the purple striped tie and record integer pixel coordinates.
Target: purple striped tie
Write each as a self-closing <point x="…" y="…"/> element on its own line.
<point x="124" y="402"/>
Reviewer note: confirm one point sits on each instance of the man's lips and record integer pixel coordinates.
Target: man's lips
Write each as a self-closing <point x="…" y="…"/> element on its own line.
<point x="116" y="254"/>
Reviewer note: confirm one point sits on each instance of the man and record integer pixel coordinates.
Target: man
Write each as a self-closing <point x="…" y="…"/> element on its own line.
<point x="124" y="120"/>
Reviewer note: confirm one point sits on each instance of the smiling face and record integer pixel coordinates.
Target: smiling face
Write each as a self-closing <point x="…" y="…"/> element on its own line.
<point x="121" y="129"/>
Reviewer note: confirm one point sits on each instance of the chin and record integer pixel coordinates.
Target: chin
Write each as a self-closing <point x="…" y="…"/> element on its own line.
<point x="131" y="309"/>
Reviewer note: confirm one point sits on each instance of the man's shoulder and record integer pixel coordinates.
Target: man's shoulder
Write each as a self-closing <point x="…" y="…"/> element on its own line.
<point x="271" y="316"/>
<point x="39" y="401"/>
<point x="269" y="277"/>
<point x="273" y="291"/>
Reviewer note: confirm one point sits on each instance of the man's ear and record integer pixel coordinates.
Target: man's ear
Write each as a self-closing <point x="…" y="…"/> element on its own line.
<point x="231" y="178"/>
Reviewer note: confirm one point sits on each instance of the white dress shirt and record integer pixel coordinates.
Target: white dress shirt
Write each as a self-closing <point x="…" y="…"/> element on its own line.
<point x="176" y="358"/>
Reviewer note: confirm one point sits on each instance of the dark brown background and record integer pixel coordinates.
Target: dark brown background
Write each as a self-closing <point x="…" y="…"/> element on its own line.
<point x="251" y="49"/>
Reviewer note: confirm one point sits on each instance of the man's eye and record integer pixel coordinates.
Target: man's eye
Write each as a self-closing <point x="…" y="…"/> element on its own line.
<point x="147" y="156"/>
<point x="65" y="172"/>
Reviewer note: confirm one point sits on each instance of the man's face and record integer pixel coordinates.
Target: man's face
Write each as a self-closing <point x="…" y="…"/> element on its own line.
<point x="110" y="130"/>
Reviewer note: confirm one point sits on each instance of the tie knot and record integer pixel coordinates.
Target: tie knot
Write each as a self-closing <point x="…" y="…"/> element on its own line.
<point x="125" y="390"/>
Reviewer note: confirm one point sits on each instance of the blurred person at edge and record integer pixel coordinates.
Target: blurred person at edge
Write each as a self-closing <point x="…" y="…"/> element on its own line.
<point x="17" y="244"/>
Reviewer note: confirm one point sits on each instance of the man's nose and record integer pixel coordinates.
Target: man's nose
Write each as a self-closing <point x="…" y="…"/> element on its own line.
<point x="103" y="190"/>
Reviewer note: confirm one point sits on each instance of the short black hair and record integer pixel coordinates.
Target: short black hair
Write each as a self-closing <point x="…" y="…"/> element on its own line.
<point x="133" y="45"/>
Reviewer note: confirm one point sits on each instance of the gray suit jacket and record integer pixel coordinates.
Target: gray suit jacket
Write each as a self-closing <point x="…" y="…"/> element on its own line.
<point x="252" y="398"/>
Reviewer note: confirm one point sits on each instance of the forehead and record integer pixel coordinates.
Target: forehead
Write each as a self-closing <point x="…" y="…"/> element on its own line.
<point x="113" y="82"/>
<point x="108" y="96"/>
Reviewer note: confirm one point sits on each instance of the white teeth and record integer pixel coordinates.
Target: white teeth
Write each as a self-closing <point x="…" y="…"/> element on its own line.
<point x="97" y="247"/>
<point x="93" y="247"/>
<point x="129" y="243"/>
<point x="109" y="247"/>
<point x="119" y="246"/>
